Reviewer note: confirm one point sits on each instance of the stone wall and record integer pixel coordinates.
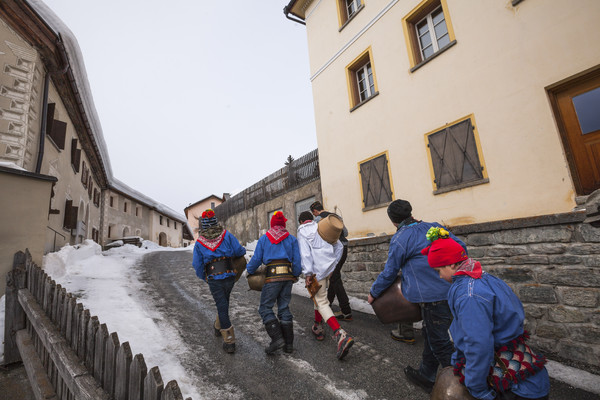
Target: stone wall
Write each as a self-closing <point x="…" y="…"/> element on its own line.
<point x="249" y="225"/>
<point x="551" y="262"/>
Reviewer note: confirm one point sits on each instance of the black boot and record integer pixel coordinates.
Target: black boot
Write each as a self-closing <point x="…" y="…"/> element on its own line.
<point x="287" y="328"/>
<point x="274" y="330"/>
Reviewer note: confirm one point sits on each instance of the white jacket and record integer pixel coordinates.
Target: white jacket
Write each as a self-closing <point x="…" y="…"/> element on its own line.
<point x="318" y="257"/>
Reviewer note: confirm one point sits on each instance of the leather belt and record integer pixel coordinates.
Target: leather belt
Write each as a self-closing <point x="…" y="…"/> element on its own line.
<point x="218" y="266"/>
<point x="279" y="270"/>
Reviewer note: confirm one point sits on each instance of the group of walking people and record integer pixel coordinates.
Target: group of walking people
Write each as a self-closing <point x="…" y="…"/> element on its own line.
<point x="285" y="258"/>
<point x="487" y="350"/>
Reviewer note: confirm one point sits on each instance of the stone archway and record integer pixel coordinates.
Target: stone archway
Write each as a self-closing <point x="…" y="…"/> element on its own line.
<point x="125" y="231"/>
<point x="162" y="239"/>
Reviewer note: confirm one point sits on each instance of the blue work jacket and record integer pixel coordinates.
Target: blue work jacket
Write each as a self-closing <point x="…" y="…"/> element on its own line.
<point x="230" y="247"/>
<point x="487" y="314"/>
<point x="420" y="282"/>
<point x="265" y="252"/>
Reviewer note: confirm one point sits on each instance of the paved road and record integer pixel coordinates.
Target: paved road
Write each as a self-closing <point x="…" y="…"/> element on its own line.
<point x="372" y="369"/>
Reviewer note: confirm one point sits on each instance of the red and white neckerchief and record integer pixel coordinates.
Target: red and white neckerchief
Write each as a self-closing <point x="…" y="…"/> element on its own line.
<point x="277" y="233"/>
<point x="470" y="267"/>
<point x="212" y="244"/>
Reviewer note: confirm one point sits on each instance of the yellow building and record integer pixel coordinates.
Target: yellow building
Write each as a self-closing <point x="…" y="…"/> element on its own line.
<point x="473" y="111"/>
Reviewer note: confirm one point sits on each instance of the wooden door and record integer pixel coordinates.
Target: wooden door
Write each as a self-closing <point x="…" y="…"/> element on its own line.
<point x="579" y="111"/>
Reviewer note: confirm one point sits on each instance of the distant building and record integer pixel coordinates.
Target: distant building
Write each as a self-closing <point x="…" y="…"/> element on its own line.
<point x="55" y="172"/>
<point x="194" y="211"/>
<point x="473" y="111"/>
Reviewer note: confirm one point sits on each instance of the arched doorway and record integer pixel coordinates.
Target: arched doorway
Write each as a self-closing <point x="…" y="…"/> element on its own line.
<point x="125" y="231"/>
<point x="162" y="239"/>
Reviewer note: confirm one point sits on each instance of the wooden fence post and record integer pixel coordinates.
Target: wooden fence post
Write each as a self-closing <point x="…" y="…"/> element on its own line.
<point x="14" y="314"/>
<point x="123" y="371"/>
<point x="137" y="375"/>
<point x="153" y="385"/>
<point x="171" y="392"/>
<point x="110" y="358"/>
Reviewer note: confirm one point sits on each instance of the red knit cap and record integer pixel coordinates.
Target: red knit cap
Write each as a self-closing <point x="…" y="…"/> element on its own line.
<point x="443" y="252"/>
<point x="278" y="219"/>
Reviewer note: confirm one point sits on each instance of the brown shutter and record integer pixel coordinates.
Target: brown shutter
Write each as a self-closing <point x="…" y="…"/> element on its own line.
<point x="454" y="155"/>
<point x="59" y="133"/>
<point x="84" y="175"/>
<point x="77" y="159"/>
<point x="50" y="118"/>
<point x="375" y="181"/>
<point x="70" y="221"/>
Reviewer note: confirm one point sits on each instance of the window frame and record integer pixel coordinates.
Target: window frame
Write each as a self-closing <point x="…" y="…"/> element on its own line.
<point x="344" y="17"/>
<point x="366" y="207"/>
<point x="449" y="188"/>
<point x="352" y="71"/>
<point x="409" y="24"/>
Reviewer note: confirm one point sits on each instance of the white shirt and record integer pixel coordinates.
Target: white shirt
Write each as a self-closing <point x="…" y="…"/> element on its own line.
<point x="318" y="257"/>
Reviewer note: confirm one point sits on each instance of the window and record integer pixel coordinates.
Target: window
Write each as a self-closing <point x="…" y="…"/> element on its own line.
<point x="428" y="30"/>
<point x="455" y="157"/>
<point x="84" y="174"/>
<point x="110" y="227"/>
<point x="75" y="155"/>
<point x="303" y="205"/>
<point x="55" y="129"/>
<point x="95" y="234"/>
<point x="347" y="9"/>
<point x="160" y="220"/>
<point x="175" y="225"/>
<point x="168" y="222"/>
<point x="70" y="220"/>
<point x="96" y="197"/>
<point x="375" y="182"/>
<point x="138" y="211"/>
<point x="360" y="74"/>
<point x="124" y="206"/>
<point x="112" y="201"/>
<point x="90" y="187"/>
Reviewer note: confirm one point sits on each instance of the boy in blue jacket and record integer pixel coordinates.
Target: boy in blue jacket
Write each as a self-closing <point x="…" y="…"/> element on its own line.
<point x="421" y="285"/>
<point x="279" y="251"/>
<point x="213" y="252"/>
<point x="487" y="327"/>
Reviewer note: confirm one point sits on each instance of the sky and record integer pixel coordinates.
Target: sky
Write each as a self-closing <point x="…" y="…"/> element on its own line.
<point x="195" y="97"/>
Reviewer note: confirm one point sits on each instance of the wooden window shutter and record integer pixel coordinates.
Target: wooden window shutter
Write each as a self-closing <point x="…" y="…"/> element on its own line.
<point x="84" y="175"/>
<point x="90" y="187"/>
<point x="375" y="180"/>
<point x="50" y="118"/>
<point x="59" y="133"/>
<point x="70" y="221"/>
<point x="454" y="155"/>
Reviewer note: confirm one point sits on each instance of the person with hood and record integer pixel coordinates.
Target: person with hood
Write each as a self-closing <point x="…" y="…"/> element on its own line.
<point x="278" y="250"/>
<point x="420" y="285"/>
<point x="492" y="357"/>
<point x="213" y="251"/>
<point x="319" y="259"/>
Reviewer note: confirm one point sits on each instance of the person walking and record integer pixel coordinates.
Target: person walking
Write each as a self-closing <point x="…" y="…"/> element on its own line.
<point x="279" y="251"/>
<point x="336" y="284"/>
<point x="419" y="285"/>
<point x="213" y="251"/>
<point x="319" y="259"/>
<point x="487" y="327"/>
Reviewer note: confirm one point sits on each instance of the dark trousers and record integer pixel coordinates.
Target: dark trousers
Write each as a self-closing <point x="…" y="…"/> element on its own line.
<point x="336" y="285"/>
<point x="280" y="292"/>
<point x="437" y="346"/>
<point x="221" y="290"/>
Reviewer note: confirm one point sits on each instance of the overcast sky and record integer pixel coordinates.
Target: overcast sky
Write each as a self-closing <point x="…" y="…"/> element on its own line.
<point x="195" y="97"/>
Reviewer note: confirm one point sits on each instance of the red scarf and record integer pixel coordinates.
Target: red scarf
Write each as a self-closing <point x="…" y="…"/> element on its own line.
<point x="470" y="267"/>
<point x="212" y="244"/>
<point x="277" y="233"/>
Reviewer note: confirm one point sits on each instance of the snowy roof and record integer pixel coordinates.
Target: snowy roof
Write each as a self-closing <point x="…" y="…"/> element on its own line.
<point x="78" y="69"/>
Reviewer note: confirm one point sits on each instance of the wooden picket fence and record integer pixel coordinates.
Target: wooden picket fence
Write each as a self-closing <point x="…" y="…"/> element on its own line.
<point x="67" y="353"/>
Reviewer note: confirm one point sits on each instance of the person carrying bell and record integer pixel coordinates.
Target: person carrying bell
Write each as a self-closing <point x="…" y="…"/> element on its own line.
<point x="212" y="261"/>
<point x="279" y="251"/>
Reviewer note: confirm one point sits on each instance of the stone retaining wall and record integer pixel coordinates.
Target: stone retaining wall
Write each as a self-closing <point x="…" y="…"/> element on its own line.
<point x="551" y="262"/>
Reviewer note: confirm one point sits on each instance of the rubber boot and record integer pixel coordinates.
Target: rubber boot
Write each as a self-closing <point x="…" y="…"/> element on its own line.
<point x="287" y="329"/>
<point x="274" y="330"/>
<point x="228" y="339"/>
<point x="217" y="326"/>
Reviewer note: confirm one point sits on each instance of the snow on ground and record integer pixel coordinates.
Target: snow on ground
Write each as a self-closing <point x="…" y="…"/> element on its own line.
<point x="107" y="284"/>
